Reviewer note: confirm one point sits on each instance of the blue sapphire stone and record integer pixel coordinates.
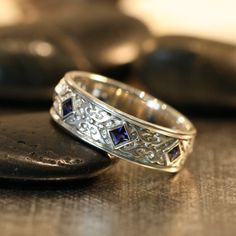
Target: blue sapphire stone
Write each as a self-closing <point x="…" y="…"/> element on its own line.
<point x="174" y="153"/>
<point x="119" y="135"/>
<point x="67" y="107"/>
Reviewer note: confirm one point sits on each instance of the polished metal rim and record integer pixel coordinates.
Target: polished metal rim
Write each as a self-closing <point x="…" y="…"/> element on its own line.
<point x="123" y="121"/>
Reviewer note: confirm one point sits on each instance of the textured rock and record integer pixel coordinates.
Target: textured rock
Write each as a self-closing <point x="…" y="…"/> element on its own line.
<point x="33" y="148"/>
<point x="191" y="72"/>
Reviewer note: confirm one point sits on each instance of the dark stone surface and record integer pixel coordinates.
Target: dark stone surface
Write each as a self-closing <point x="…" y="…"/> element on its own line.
<point x="32" y="147"/>
<point x="33" y="57"/>
<point x="135" y="201"/>
<point x="111" y="40"/>
<point x="192" y="72"/>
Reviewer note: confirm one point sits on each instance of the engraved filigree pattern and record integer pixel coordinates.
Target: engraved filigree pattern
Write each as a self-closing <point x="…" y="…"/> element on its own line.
<point x="92" y="123"/>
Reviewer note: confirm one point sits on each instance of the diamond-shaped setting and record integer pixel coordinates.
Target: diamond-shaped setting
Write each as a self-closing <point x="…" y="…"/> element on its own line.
<point x="119" y="135"/>
<point x="174" y="153"/>
<point x="67" y="107"/>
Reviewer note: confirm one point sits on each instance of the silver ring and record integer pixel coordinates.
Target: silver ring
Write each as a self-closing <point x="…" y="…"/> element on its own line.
<point x="123" y="121"/>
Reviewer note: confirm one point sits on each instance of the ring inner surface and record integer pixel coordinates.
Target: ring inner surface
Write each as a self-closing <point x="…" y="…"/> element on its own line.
<point x="135" y="102"/>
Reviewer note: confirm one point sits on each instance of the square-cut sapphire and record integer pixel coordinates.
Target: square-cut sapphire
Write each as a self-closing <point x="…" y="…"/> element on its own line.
<point x="67" y="107"/>
<point x="174" y="153"/>
<point x="119" y="135"/>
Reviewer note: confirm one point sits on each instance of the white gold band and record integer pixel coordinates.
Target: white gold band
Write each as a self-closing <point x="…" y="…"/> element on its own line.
<point x="123" y="121"/>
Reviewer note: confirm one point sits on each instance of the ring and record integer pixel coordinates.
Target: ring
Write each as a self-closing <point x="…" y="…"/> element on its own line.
<point x="123" y="121"/>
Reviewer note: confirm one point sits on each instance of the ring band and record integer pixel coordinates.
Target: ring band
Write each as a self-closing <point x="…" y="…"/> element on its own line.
<point x="123" y="121"/>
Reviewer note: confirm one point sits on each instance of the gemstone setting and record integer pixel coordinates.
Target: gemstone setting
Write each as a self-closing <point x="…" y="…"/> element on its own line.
<point x="67" y="107"/>
<point x="119" y="136"/>
<point x="174" y="153"/>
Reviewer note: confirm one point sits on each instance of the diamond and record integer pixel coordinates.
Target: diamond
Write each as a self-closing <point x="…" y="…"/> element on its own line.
<point x="174" y="153"/>
<point x="119" y="135"/>
<point x="67" y="107"/>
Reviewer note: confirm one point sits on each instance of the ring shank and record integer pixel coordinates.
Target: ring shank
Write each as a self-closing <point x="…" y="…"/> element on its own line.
<point x="133" y="102"/>
<point x="123" y="121"/>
